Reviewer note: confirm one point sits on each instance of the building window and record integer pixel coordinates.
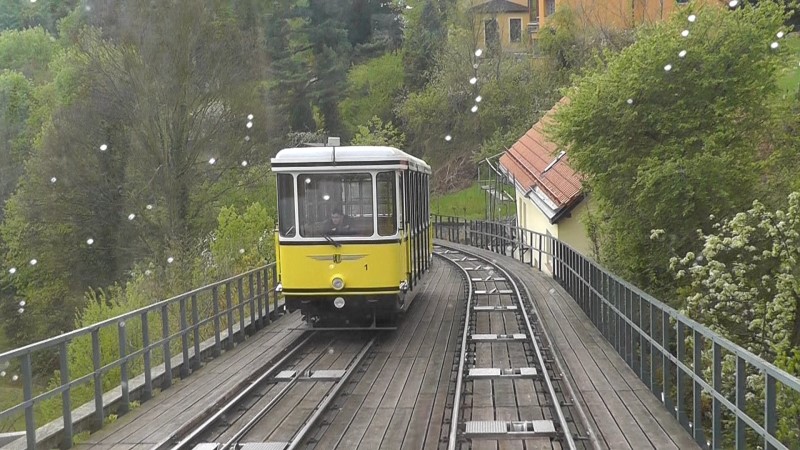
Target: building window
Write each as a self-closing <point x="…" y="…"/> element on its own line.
<point x="491" y="33"/>
<point x="550" y="7"/>
<point x="516" y="30"/>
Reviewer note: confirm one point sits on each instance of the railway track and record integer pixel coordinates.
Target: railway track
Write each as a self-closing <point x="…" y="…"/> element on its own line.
<point x="508" y="389"/>
<point x="279" y="409"/>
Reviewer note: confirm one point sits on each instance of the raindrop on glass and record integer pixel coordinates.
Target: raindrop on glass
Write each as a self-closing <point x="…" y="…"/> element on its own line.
<point x="774" y="45"/>
<point x="212" y="161"/>
<point x="249" y="117"/>
<point x="249" y="124"/>
<point x="326" y="197"/>
<point x="122" y="324"/>
<point x="685" y="33"/>
<point x="692" y="18"/>
<point x="15" y="378"/>
<point x="478" y="52"/>
<point x="478" y="99"/>
<point x="448" y="138"/>
<point x="170" y="260"/>
<point x="682" y="53"/>
<point x="21" y="310"/>
<point x="630" y="101"/>
<point x="733" y="3"/>
<point x="131" y="216"/>
<point x="53" y="180"/>
<point x="247" y="138"/>
<point x="90" y="241"/>
<point x="308" y="180"/>
<point x="475" y="66"/>
<point x="103" y="147"/>
<point x="149" y="207"/>
<point x="2" y="373"/>
<point x="12" y="270"/>
<point x="241" y="251"/>
<point x="22" y="303"/>
<point x="668" y="67"/>
<point x="474" y="108"/>
<point x="244" y="163"/>
<point x="473" y="80"/>
<point x="780" y="34"/>
<point x="34" y="262"/>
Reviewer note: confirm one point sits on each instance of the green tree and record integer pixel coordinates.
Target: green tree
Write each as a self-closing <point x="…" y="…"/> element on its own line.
<point x="668" y="133"/>
<point x="373" y="90"/>
<point x="744" y="284"/>
<point x="376" y="132"/>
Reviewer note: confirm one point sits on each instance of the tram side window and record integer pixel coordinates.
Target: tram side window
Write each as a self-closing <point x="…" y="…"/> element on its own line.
<point x="286" y="205"/>
<point x="387" y="218"/>
<point x="335" y="204"/>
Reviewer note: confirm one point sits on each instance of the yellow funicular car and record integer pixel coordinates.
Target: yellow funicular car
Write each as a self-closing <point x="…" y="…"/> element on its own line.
<point x="353" y="235"/>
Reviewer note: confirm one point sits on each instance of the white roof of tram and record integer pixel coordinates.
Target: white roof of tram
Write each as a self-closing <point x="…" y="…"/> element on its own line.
<point x="346" y="156"/>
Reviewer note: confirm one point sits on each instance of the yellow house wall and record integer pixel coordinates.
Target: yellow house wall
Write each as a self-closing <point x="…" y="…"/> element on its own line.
<point x="504" y="26"/>
<point x="573" y="231"/>
<point x="617" y="13"/>
<point x="570" y="230"/>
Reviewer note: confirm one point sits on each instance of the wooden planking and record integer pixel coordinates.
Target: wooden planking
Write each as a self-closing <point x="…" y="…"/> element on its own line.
<point x="602" y="380"/>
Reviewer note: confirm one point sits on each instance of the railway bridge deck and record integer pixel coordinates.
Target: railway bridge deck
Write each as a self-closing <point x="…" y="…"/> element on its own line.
<point x="399" y="398"/>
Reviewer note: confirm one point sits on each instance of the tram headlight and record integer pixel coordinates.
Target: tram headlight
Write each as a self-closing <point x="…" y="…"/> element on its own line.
<point x="337" y="283"/>
<point x="338" y="302"/>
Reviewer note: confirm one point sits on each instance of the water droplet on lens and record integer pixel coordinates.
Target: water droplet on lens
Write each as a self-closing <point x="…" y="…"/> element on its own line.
<point x="448" y="138"/>
<point x="53" y="180"/>
<point x="685" y="33"/>
<point x="212" y="161"/>
<point x="630" y="101"/>
<point x="475" y="108"/>
<point x="103" y="147"/>
<point x="90" y="241"/>
<point x="478" y="52"/>
<point x="774" y="45"/>
<point x="244" y="163"/>
<point x="249" y="124"/>
<point x="131" y="216"/>
<point x="170" y="260"/>
<point x="668" y="67"/>
<point x="682" y="53"/>
<point x="249" y="117"/>
<point x="12" y="270"/>
<point x="34" y="262"/>
<point x="149" y="207"/>
<point x="473" y="80"/>
<point x="692" y="18"/>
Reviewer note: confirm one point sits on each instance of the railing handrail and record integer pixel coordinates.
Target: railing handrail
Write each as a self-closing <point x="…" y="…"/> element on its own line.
<point x="66" y="337"/>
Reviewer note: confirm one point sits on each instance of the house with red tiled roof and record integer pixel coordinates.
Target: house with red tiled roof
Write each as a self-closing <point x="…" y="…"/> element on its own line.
<point x="549" y="195"/>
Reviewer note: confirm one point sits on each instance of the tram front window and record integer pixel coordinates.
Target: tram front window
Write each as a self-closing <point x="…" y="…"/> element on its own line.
<point x="335" y="204"/>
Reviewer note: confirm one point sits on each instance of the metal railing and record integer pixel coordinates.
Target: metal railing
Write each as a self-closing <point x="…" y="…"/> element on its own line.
<point x="137" y="349"/>
<point x="722" y="394"/>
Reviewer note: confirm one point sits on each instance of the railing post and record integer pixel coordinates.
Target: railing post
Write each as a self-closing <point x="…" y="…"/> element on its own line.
<point x="741" y="386"/>
<point x="258" y="300"/>
<point x="66" y="402"/>
<point x="123" y="368"/>
<point x="148" y="376"/>
<point x="240" y="295"/>
<point x="666" y="375"/>
<point x="229" y="310"/>
<point x="98" y="378"/>
<point x="697" y="389"/>
<point x="274" y="270"/>
<point x="716" y="405"/>
<point x="165" y="345"/>
<point x="196" y="331"/>
<point x="680" y="339"/>
<point x="184" y="339"/>
<point x="217" y="324"/>
<point x="252" y="302"/>
<point x="27" y="395"/>
<point x="770" y="418"/>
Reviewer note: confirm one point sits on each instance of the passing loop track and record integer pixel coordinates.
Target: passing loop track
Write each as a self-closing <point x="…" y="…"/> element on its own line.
<point x="492" y="291"/>
<point x="288" y="373"/>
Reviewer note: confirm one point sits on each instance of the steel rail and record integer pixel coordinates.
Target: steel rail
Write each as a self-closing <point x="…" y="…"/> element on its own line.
<point x="451" y="445"/>
<point x="298" y="438"/>
<point x="224" y="409"/>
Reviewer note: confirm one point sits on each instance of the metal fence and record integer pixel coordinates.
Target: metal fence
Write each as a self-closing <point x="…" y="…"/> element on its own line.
<point x="133" y="352"/>
<point x="723" y="395"/>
